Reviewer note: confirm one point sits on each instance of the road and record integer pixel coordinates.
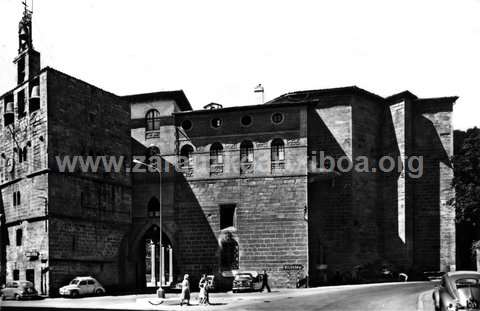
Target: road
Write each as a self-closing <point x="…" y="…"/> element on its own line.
<point x="401" y="297"/>
<point x="372" y="297"/>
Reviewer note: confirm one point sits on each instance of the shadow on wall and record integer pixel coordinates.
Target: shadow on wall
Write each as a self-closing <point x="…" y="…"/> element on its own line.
<point x="198" y="245"/>
<point x="391" y="246"/>
<point x="330" y="209"/>
<point x="336" y="241"/>
<point x="194" y="243"/>
<point x="428" y="144"/>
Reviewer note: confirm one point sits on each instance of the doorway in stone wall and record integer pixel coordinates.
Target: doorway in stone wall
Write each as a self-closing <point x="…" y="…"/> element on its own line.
<point x="30" y="275"/>
<point x="151" y="253"/>
<point x="229" y="252"/>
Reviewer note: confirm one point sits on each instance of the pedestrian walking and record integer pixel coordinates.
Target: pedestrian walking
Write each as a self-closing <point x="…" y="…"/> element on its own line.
<point x="265" y="281"/>
<point x="185" y="295"/>
<point x="203" y="285"/>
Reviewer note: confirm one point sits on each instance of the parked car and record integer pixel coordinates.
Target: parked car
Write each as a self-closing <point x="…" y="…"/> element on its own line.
<point x="19" y="290"/>
<point x="82" y="286"/>
<point x="247" y="281"/>
<point x="458" y="290"/>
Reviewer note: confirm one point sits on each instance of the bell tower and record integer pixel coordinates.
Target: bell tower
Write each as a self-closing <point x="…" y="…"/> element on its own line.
<point x="28" y="60"/>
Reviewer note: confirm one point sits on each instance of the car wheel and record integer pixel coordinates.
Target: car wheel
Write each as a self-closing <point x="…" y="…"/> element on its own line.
<point x="99" y="292"/>
<point x="17" y="297"/>
<point x="234" y="291"/>
<point x="74" y="294"/>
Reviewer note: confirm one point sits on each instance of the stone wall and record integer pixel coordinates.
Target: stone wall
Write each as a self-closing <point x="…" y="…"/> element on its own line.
<point x="25" y="176"/>
<point x="396" y="184"/>
<point x="367" y="119"/>
<point x="270" y="227"/>
<point x="89" y="212"/>
<point x="330" y="195"/>
<point x="435" y="246"/>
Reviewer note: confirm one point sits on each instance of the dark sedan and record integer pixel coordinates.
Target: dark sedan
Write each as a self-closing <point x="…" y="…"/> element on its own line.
<point x="247" y="281"/>
<point x="19" y="290"/>
<point x="458" y="291"/>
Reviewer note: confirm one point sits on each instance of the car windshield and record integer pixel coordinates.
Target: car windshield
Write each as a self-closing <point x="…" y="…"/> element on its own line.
<point x="243" y="277"/>
<point x="26" y="284"/>
<point x="74" y="282"/>
<point x="468" y="282"/>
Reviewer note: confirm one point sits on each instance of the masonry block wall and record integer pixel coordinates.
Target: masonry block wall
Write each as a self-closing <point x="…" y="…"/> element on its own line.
<point x="367" y="117"/>
<point x="89" y="211"/>
<point x="270" y="224"/>
<point x="435" y="247"/>
<point x="146" y="185"/>
<point x="396" y="184"/>
<point x="23" y="179"/>
<point x="330" y="197"/>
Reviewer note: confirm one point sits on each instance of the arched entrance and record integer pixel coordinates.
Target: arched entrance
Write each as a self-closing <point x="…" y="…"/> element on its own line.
<point x="229" y="252"/>
<point x="151" y="254"/>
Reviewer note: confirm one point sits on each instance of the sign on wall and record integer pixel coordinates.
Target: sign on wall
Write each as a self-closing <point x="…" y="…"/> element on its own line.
<point x="291" y="267"/>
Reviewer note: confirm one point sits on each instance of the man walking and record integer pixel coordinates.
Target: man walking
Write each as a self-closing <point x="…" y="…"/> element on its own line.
<point x="265" y="281"/>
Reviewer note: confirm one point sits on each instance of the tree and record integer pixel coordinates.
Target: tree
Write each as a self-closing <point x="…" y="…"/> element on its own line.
<point x="466" y="181"/>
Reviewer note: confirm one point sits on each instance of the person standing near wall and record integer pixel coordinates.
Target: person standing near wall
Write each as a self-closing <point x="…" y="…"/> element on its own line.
<point x="265" y="281"/>
<point x="185" y="295"/>
<point x="202" y="296"/>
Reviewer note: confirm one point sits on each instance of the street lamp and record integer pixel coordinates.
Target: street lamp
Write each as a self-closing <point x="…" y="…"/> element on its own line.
<point x="160" y="291"/>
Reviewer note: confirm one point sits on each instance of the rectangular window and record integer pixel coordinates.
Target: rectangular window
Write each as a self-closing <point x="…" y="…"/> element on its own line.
<point x="21" y="103"/>
<point x="16" y="198"/>
<point x="278" y="153"/>
<point x="19" y="237"/>
<point x="16" y="275"/>
<point x="246" y="155"/>
<point x="227" y="216"/>
<point x="21" y="70"/>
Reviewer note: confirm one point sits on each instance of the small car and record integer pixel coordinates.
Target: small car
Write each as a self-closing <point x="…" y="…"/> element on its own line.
<point x="19" y="290"/>
<point x="247" y="281"/>
<point x="458" y="290"/>
<point x="82" y="286"/>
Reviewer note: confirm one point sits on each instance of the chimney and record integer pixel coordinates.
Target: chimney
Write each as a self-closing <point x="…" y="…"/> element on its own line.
<point x="259" y="95"/>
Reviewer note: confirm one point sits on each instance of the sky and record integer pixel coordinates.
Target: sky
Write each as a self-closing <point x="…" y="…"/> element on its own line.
<point x="218" y="51"/>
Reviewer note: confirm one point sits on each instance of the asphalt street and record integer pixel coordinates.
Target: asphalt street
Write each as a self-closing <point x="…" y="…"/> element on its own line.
<point x="372" y="297"/>
<point x="375" y="298"/>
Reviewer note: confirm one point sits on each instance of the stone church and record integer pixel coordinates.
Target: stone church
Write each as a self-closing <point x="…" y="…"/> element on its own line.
<point x="241" y="188"/>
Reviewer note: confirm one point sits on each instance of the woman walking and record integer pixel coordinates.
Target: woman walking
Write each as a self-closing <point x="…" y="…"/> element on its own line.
<point x="185" y="295"/>
<point x="203" y="284"/>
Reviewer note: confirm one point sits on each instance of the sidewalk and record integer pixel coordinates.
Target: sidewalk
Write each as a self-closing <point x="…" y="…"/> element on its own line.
<point x="141" y="302"/>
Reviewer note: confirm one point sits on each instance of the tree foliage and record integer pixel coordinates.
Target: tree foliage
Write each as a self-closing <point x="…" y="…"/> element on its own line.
<point x="466" y="163"/>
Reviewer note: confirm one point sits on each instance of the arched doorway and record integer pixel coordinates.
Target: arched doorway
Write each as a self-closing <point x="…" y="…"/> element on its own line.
<point x="151" y="254"/>
<point x="229" y="252"/>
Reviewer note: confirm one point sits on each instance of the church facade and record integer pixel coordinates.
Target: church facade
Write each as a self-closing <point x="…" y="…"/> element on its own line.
<point x="241" y="188"/>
